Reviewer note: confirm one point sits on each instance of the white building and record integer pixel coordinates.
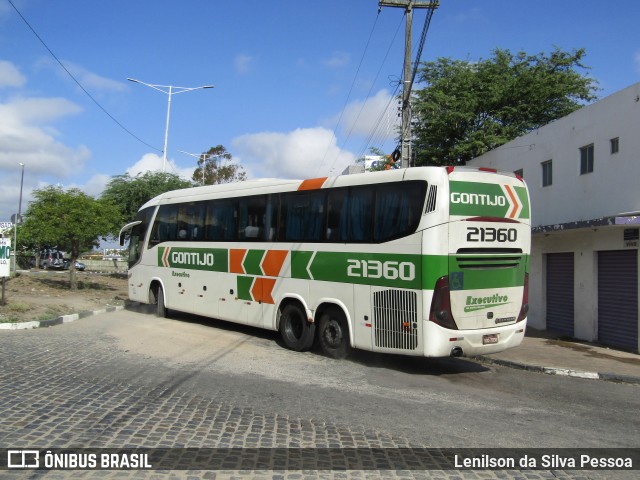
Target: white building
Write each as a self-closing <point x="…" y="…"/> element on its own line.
<point x="583" y="173"/>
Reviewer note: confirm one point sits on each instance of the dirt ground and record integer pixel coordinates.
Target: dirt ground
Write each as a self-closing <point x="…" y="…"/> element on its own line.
<point x="43" y="295"/>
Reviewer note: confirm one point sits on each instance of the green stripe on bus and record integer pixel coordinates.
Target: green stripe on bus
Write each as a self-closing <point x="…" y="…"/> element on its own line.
<point x="524" y="199"/>
<point x="475" y="199"/>
<point x="210" y="259"/>
<point x="433" y="267"/>
<point x="299" y="262"/>
<point x="463" y="275"/>
<point x="244" y="287"/>
<point x="252" y="262"/>
<point x="381" y="269"/>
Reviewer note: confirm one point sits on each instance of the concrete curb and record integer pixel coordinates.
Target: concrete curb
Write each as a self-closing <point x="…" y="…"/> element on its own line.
<point x="58" y="320"/>
<point x="565" y="372"/>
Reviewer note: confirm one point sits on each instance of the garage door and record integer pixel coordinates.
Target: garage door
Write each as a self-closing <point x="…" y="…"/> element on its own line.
<point x="618" y="298"/>
<point x="560" y="292"/>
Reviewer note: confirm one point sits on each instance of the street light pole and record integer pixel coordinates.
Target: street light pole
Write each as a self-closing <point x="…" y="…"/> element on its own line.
<point x="169" y="93"/>
<point x="15" y="227"/>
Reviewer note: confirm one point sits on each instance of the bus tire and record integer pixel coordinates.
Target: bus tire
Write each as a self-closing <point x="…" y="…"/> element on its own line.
<point x="333" y="335"/>
<point x="161" y="310"/>
<point x="296" y="331"/>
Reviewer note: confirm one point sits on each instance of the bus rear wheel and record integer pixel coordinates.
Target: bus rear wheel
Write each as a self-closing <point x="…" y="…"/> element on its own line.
<point x="297" y="333"/>
<point x="333" y="336"/>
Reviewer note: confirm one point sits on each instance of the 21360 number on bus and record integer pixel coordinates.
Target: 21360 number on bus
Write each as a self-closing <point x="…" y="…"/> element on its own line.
<point x="490" y="234"/>
<point x="390" y="270"/>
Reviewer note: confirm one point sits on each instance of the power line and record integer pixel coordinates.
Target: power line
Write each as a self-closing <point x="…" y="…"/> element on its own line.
<point x="382" y="114"/>
<point x="77" y="82"/>
<point x="350" y="90"/>
<point x="408" y="6"/>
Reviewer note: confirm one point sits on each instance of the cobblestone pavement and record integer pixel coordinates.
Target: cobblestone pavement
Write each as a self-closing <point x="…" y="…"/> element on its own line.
<point x="63" y="388"/>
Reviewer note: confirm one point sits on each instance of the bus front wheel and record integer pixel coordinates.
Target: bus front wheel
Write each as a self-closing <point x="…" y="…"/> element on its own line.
<point x="297" y="333"/>
<point x="334" y="334"/>
<point x="161" y="310"/>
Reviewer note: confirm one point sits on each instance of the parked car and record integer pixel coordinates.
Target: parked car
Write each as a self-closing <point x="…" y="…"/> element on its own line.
<point x="50" y="258"/>
<point x="79" y="265"/>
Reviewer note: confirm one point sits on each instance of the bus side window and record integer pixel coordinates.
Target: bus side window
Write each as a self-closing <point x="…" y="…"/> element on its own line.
<point x="190" y="221"/>
<point x="271" y="219"/>
<point x="397" y="210"/>
<point x="252" y="217"/>
<point x="220" y="221"/>
<point x="360" y="213"/>
<point x="305" y="216"/>
<point x="337" y="216"/>
<point x="165" y="227"/>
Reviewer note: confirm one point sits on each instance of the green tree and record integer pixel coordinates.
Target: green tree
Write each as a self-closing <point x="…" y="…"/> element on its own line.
<point x="129" y="193"/>
<point x="216" y="166"/>
<point x="72" y="220"/>
<point x="468" y="108"/>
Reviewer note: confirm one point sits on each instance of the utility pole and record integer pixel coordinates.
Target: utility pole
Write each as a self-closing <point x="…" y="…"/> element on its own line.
<point x="408" y="6"/>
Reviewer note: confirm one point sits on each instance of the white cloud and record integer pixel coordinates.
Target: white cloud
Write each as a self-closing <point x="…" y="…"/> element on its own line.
<point x="27" y="136"/>
<point x="337" y="60"/>
<point x="151" y="162"/>
<point x="243" y="63"/>
<point x="302" y="153"/>
<point x="23" y="111"/>
<point x="89" y="80"/>
<point x="636" y="59"/>
<point x="362" y="117"/>
<point x="10" y="76"/>
<point x="95" y="185"/>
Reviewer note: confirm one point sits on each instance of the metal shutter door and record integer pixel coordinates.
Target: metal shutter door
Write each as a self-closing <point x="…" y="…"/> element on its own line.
<point x="618" y="298"/>
<point x="560" y="292"/>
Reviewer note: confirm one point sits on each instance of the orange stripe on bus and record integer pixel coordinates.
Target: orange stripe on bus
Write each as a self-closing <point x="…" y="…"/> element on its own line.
<point x="514" y="199"/>
<point x="262" y="288"/>
<point x="236" y="256"/>
<point x="312" y="183"/>
<point x="273" y="261"/>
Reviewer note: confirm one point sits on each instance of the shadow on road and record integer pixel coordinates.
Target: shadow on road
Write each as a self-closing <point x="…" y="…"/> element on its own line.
<point x="401" y="363"/>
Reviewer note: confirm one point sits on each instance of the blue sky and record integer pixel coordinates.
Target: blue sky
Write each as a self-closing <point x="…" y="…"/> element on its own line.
<point x="295" y="95"/>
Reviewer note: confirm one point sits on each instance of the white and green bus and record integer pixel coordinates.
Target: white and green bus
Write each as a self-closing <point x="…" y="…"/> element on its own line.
<point x="428" y="261"/>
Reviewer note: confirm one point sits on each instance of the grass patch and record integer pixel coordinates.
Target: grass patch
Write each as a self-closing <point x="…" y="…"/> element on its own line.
<point x="14" y="312"/>
<point x="18" y="307"/>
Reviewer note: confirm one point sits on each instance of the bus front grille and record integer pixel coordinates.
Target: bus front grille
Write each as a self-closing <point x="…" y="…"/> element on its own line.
<point x="395" y="317"/>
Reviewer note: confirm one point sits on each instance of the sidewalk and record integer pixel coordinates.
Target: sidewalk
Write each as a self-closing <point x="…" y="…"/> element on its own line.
<point x="544" y="352"/>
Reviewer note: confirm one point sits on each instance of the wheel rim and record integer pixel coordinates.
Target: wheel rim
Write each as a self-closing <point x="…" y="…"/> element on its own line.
<point x="332" y="334"/>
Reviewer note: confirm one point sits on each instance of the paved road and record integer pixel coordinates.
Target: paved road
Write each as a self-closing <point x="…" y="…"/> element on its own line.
<point x="128" y="379"/>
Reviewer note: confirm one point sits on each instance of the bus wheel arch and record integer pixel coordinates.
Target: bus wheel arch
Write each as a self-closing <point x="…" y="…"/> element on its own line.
<point x="157" y="298"/>
<point x="334" y="331"/>
<point x="297" y="332"/>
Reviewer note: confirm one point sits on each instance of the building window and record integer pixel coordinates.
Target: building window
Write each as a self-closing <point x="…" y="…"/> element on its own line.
<point x="520" y="173"/>
<point x="547" y="173"/>
<point x="615" y="145"/>
<point x="586" y="159"/>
